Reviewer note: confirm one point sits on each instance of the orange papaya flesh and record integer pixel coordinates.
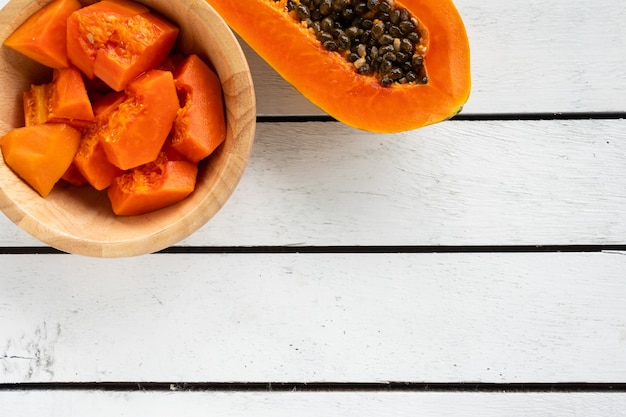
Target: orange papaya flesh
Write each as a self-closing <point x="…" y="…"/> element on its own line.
<point x="91" y="159"/>
<point x="64" y="100"/>
<point x="68" y="98"/>
<point x="92" y="162"/>
<point x="43" y="36"/>
<point x="123" y="8"/>
<point x="138" y="128"/>
<point x="116" y="41"/>
<point x="200" y="125"/>
<point x="172" y="62"/>
<point x="35" y="105"/>
<point x="287" y="36"/>
<point x="73" y="176"/>
<point x="106" y="104"/>
<point x="150" y="187"/>
<point x="27" y="149"/>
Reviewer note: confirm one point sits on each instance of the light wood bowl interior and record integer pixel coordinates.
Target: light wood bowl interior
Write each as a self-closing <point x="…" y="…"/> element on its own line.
<point x="79" y="220"/>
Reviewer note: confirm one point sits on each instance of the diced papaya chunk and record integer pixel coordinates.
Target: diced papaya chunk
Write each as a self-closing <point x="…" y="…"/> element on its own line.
<point x="64" y="100"/>
<point x="68" y="99"/>
<point x="152" y="186"/>
<point x="91" y="160"/>
<point x="117" y="41"/>
<point x="200" y="125"/>
<point x="43" y="36"/>
<point x="138" y="128"/>
<point x="40" y="154"/>
<point x="73" y="176"/>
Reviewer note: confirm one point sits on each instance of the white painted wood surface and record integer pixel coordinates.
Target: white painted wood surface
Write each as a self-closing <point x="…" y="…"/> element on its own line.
<point x="397" y="404"/>
<point x="504" y="318"/>
<point x="457" y="183"/>
<point x="423" y="317"/>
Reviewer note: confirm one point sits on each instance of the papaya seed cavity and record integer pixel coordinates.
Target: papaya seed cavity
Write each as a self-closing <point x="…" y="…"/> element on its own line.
<point x="380" y="39"/>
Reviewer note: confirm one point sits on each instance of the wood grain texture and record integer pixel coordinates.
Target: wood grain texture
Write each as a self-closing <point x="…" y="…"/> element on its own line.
<point x="505" y="318"/>
<point x="192" y="404"/>
<point x="457" y="183"/>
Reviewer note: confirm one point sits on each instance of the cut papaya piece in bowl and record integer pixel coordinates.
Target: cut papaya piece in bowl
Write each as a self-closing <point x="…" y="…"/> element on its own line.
<point x="152" y="186"/>
<point x="53" y="146"/>
<point x="199" y="127"/>
<point x="91" y="160"/>
<point x="136" y="131"/>
<point x="377" y="65"/>
<point x="117" y="40"/>
<point x="63" y="100"/>
<point x="43" y="36"/>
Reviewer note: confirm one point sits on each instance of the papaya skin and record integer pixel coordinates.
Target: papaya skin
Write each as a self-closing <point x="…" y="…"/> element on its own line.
<point x="331" y="83"/>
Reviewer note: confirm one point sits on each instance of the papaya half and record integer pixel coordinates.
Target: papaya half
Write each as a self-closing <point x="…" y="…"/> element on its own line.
<point x="377" y="65"/>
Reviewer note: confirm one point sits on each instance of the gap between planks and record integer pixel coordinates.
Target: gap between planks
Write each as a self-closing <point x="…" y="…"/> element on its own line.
<point x="43" y="250"/>
<point x="563" y="387"/>
<point x="464" y="117"/>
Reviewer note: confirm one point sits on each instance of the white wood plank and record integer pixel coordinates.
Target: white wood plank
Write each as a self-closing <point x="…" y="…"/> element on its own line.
<point x="457" y="183"/>
<point x="564" y="55"/>
<point x="557" y="56"/>
<point x="157" y="404"/>
<point x="506" y="318"/>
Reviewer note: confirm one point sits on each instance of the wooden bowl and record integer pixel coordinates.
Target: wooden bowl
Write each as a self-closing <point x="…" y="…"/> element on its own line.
<point x="79" y="220"/>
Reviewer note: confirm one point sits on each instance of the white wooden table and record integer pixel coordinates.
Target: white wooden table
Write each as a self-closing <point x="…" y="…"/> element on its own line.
<point x="472" y="268"/>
